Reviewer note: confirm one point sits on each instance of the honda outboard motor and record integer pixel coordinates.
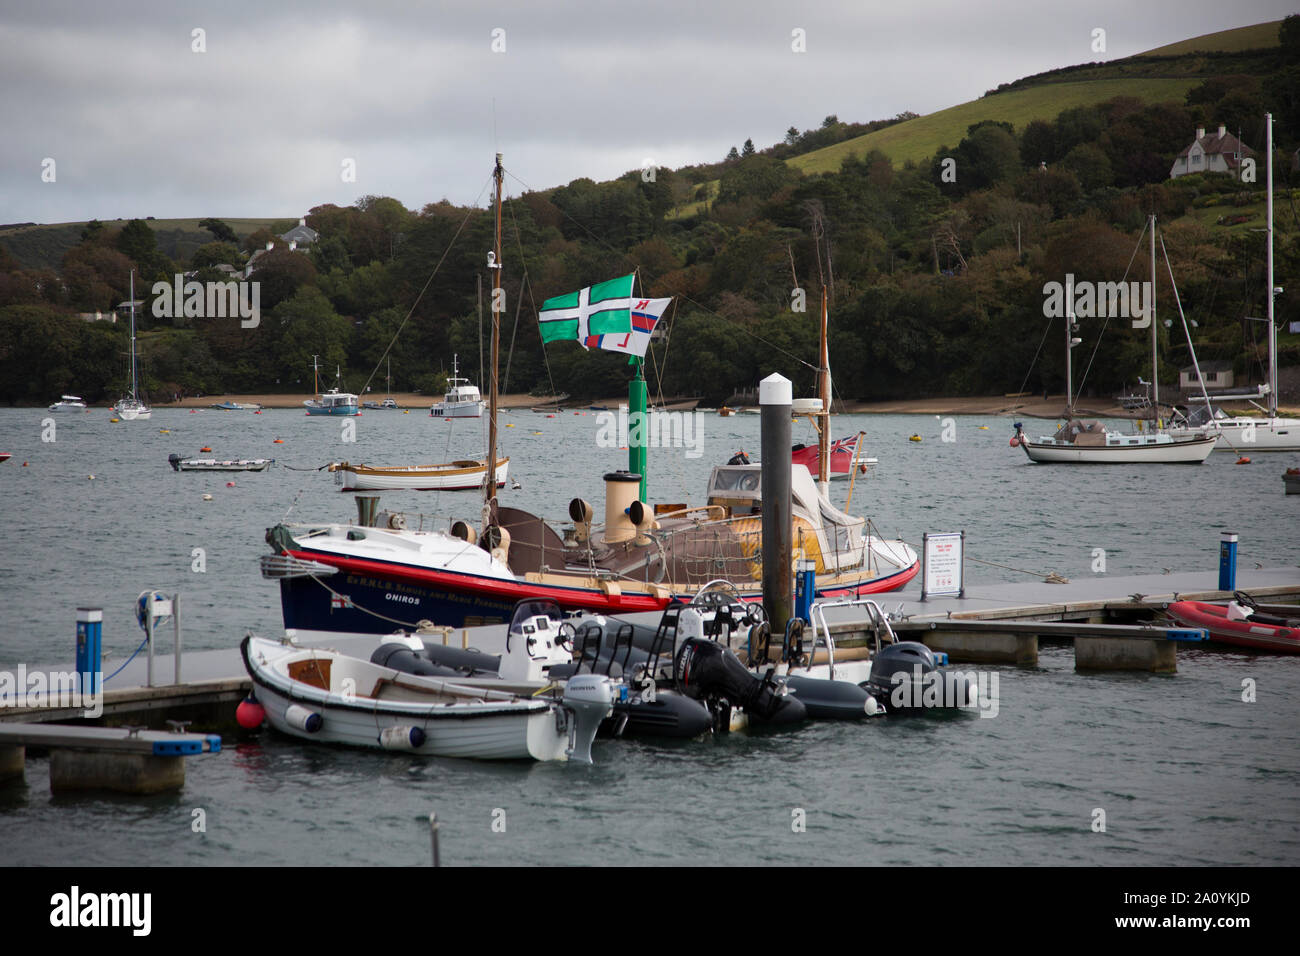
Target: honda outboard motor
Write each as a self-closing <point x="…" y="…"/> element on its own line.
<point x="906" y="678"/>
<point x="709" y="672"/>
<point x="590" y="699"/>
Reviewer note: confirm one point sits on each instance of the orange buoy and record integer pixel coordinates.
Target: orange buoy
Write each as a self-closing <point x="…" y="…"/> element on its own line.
<point x="230" y="484"/>
<point x="1243" y="460"/>
<point x="278" y="441"/>
<point x="205" y="448"/>
<point x="1015" y="442"/>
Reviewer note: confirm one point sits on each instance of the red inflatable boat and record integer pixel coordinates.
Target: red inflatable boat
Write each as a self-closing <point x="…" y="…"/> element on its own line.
<point x="1264" y="631"/>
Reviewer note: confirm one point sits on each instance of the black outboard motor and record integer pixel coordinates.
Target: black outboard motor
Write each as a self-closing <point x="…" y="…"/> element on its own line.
<point x="906" y="678"/>
<point x="739" y="458"/>
<point x="175" y="461"/>
<point x="709" y="672"/>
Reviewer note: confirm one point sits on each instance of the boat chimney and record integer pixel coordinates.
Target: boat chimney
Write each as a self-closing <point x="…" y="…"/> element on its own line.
<point x="367" y="508"/>
<point x="621" y="489"/>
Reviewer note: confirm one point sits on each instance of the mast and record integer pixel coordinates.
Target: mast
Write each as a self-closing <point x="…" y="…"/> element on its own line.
<point x="1069" y="344"/>
<point x="1155" y="368"/>
<point x="131" y="294"/>
<point x="490" y="486"/>
<point x="315" y="379"/>
<point x="824" y="391"/>
<point x="1272" y="329"/>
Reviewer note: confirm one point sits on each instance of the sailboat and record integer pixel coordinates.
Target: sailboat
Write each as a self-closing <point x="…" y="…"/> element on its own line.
<point x="332" y="402"/>
<point x="1086" y="441"/>
<point x="389" y="402"/>
<point x="1245" y="432"/>
<point x="376" y="575"/>
<point x="131" y="407"/>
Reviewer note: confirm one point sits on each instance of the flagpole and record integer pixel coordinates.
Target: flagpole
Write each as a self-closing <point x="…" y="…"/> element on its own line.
<point x="637" y="435"/>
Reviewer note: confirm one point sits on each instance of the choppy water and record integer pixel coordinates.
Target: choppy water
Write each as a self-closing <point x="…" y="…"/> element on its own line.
<point x="1186" y="772"/>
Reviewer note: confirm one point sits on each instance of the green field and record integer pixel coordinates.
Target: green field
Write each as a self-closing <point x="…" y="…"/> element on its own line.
<point x="920" y="138"/>
<point x="1257" y="37"/>
<point x="43" y="245"/>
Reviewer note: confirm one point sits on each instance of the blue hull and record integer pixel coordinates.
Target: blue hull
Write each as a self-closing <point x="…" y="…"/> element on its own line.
<point x="307" y="605"/>
<point x="336" y="410"/>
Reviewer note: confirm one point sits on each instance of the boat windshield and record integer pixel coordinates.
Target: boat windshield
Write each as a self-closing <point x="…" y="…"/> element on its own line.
<point x="526" y="614"/>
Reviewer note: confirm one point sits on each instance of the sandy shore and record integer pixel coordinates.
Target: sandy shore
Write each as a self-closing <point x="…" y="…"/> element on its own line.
<point x="994" y="405"/>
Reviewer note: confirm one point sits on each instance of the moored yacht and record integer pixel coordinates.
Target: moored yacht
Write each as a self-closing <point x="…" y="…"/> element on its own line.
<point x="462" y="399"/>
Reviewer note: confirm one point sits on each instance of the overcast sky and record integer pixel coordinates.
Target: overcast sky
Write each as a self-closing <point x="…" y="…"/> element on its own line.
<point x="261" y="124"/>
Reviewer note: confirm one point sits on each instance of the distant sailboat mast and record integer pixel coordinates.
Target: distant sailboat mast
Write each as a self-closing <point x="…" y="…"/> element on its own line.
<point x="1272" y="329"/>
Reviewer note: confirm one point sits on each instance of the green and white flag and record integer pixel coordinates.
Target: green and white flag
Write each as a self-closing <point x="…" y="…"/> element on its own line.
<point x="601" y="309"/>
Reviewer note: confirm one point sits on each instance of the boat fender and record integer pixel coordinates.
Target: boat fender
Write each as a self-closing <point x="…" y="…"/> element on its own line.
<point x="463" y="530"/>
<point x="401" y="738"/>
<point x="295" y="715"/>
<point x="397" y="522"/>
<point x="250" y="714"/>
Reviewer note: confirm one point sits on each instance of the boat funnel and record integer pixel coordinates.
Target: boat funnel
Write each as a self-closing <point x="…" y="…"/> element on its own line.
<point x="589" y="698"/>
<point x="621" y="488"/>
<point x="367" y="508"/>
<point x="463" y="530"/>
<point x="581" y="513"/>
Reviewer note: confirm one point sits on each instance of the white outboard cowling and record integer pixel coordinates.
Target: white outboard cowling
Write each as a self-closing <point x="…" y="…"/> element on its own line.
<point x="409" y="641"/>
<point x="590" y="699"/>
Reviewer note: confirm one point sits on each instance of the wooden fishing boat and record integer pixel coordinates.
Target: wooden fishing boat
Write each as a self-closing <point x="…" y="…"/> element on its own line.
<point x="466" y="475"/>
<point x="322" y="695"/>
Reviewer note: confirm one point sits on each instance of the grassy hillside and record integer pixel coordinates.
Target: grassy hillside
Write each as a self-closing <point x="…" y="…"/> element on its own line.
<point x="1256" y="37"/>
<point x="916" y="139"/>
<point x="42" y="245"/>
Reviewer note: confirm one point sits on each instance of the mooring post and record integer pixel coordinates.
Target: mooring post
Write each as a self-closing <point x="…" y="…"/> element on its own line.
<point x="90" y="625"/>
<point x="775" y="398"/>
<point x="1228" y="561"/>
<point x="433" y="833"/>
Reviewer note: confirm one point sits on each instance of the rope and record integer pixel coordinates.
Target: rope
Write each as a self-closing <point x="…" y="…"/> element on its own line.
<point x="450" y="245"/>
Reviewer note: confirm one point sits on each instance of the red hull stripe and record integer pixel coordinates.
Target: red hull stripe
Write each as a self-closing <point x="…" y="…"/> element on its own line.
<point x="566" y="597"/>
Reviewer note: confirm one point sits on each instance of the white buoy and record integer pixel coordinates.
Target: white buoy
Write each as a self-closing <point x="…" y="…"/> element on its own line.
<point x="207" y="497"/>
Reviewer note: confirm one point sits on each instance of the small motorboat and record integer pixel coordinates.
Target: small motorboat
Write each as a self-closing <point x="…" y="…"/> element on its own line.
<point x="1291" y="481"/>
<point x="5" y="456"/>
<point x="69" y="403"/>
<point x="543" y="650"/>
<point x="1243" y="622"/>
<point x="236" y="406"/>
<point x="322" y="695"/>
<point x="216" y="464"/>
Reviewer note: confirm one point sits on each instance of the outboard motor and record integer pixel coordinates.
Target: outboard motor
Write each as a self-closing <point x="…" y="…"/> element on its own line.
<point x="590" y="699"/>
<point x="906" y="678"/>
<point x="709" y="672"/>
<point x="175" y="461"/>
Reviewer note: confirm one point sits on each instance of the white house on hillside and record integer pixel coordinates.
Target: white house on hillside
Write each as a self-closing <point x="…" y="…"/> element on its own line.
<point x="1219" y="152"/>
<point x="301" y="234"/>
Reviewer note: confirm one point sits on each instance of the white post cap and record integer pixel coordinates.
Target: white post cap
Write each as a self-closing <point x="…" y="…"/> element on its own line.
<point x="775" y="390"/>
<point x="87" y="615"/>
